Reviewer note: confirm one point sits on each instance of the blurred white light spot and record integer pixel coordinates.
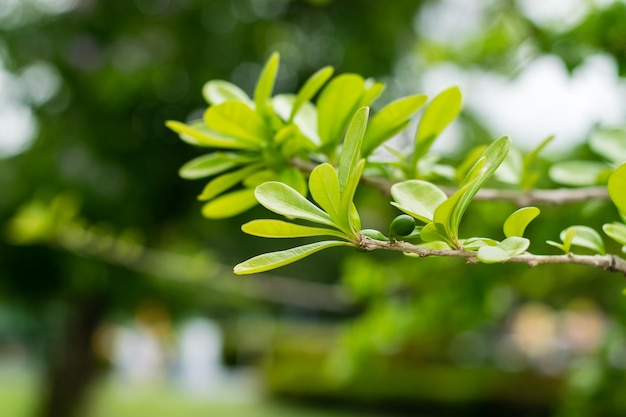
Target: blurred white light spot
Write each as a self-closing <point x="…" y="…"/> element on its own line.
<point x="40" y="82"/>
<point x="55" y="6"/>
<point x="18" y="128"/>
<point x="450" y="21"/>
<point x="557" y="14"/>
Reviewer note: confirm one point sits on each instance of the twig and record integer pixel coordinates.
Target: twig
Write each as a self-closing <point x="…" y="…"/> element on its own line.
<point x="609" y="262"/>
<point x="520" y="197"/>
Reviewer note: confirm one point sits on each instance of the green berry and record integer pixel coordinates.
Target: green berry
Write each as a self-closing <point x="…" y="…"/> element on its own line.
<point x="403" y="225"/>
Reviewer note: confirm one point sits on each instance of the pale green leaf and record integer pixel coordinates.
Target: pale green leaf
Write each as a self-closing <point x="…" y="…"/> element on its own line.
<point x="213" y="164"/>
<point x="280" y="229"/>
<point x="218" y="91"/>
<point x="577" y="173"/>
<point x="475" y="243"/>
<point x="516" y="223"/>
<point x="259" y="177"/>
<point x="282" y="199"/>
<point x="351" y="222"/>
<point x="272" y="260"/>
<point x="235" y="119"/>
<point x="226" y="181"/>
<point x="373" y="90"/>
<point x="229" y="205"/>
<point x="265" y="85"/>
<point x="198" y="134"/>
<point x="351" y="150"/>
<point x="417" y="198"/>
<point x="435" y="232"/>
<point x="450" y="212"/>
<point x="584" y="237"/>
<point x="310" y="88"/>
<point x="503" y="251"/>
<point x="617" y="188"/>
<point x="439" y="113"/>
<point x="374" y="234"/>
<point x="390" y="120"/>
<point x="336" y="105"/>
<point x="324" y="187"/>
<point x="610" y="143"/>
<point x="616" y="231"/>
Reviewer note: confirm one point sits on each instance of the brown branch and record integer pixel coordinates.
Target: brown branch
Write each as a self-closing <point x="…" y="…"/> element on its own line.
<point x="612" y="263"/>
<point x="521" y="198"/>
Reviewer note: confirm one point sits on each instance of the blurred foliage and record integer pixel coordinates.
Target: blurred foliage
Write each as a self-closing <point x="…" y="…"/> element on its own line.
<point x="99" y="79"/>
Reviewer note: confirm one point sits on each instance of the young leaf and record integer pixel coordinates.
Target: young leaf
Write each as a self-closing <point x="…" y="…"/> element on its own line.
<point x="617" y="188"/>
<point x="508" y="248"/>
<point x="280" y="229"/>
<point x="529" y="177"/>
<point x="516" y="223"/>
<point x="617" y="232"/>
<point x="310" y="88"/>
<point x="212" y="164"/>
<point x="218" y="91"/>
<point x="417" y="198"/>
<point x="229" y="205"/>
<point x="582" y="236"/>
<point x="225" y="181"/>
<point x="351" y="151"/>
<point x="374" y="234"/>
<point x="450" y="212"/>
<point x="351" y="222"/>
<point x="265" y="85"/>
<point x="336" y="105"/>
<point x="198" y="134"/>
<point x="294" y="178"/>
<point x="373" y="90"/>
<point x="272" y="260"/>
<point x="324" y="187"/>
<point x="441" y="111"/>
<point x="282" y="199"/>
<point x="436" y="232"/>
<point x="236" y="120"/>
<point x="390" y="120"/>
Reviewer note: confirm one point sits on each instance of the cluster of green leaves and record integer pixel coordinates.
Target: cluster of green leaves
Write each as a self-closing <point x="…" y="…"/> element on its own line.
<point x="265" y="134"/>
<point x="255" y="140"/>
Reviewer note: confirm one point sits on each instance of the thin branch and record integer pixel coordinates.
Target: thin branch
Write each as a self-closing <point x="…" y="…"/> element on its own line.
<point x="521" y="198"/>
<point x="609" y="262"/>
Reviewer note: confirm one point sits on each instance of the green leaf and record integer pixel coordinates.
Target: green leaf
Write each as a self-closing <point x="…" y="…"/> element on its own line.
<point x="236" y="120"/>
<point x="272" y="260"/>
<point x="390" y="120"/>
<point x="577" y="173"/>
<point x="281" y="229"/>
<point x="265" y="86"/>
<point x="581" y="236"/>
<point x="259" y="177"/>
<point x="351" y="222"/>
<point x="610" y="143"/>
<point x="417" y="198"/>
<point x="529" y="177"/>
<point x="324" y="187"/>
<point x="225" y="181"/>
<point x="374" y="234"/>
<point x="617" y="232"/>
<point x="351" y="150"/>
<point x="310" y="88"/>
<point x="516" y="223"/>
<point x="450" y="212"/>
<point x="218" y="91"/>
<point x="336" y="105"/>
<point x="435" y="232"/>
<point x="503" y="251"/>
<point x="213" y="164"/>
<point x="229" y="205"/>
<point x="198" y="134"/>
<point x="617" y="188"/>
<point x="441" y="111"/>
<point x="282" y="199"/>
<point x="373" y="90"/>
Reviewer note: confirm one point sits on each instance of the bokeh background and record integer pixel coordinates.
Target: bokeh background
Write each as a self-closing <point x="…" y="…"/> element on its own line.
<point x="116" y="296"/>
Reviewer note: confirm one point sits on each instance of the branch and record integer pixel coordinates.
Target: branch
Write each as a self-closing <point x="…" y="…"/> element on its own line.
<point x="521" y="198"/>
<point x="611" y="263"/>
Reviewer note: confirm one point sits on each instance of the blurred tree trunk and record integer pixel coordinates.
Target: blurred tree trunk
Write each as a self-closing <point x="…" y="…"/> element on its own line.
<point x="72" y="365"/>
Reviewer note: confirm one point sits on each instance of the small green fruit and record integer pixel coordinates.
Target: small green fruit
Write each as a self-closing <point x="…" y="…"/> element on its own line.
<point x="403" y="225"/>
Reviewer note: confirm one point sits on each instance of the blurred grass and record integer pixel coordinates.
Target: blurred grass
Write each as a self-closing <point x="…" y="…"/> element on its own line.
<point x="18" y="396"/>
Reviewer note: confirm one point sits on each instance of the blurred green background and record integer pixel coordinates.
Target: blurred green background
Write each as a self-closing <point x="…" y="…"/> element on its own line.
<point x="116" y="296"/>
